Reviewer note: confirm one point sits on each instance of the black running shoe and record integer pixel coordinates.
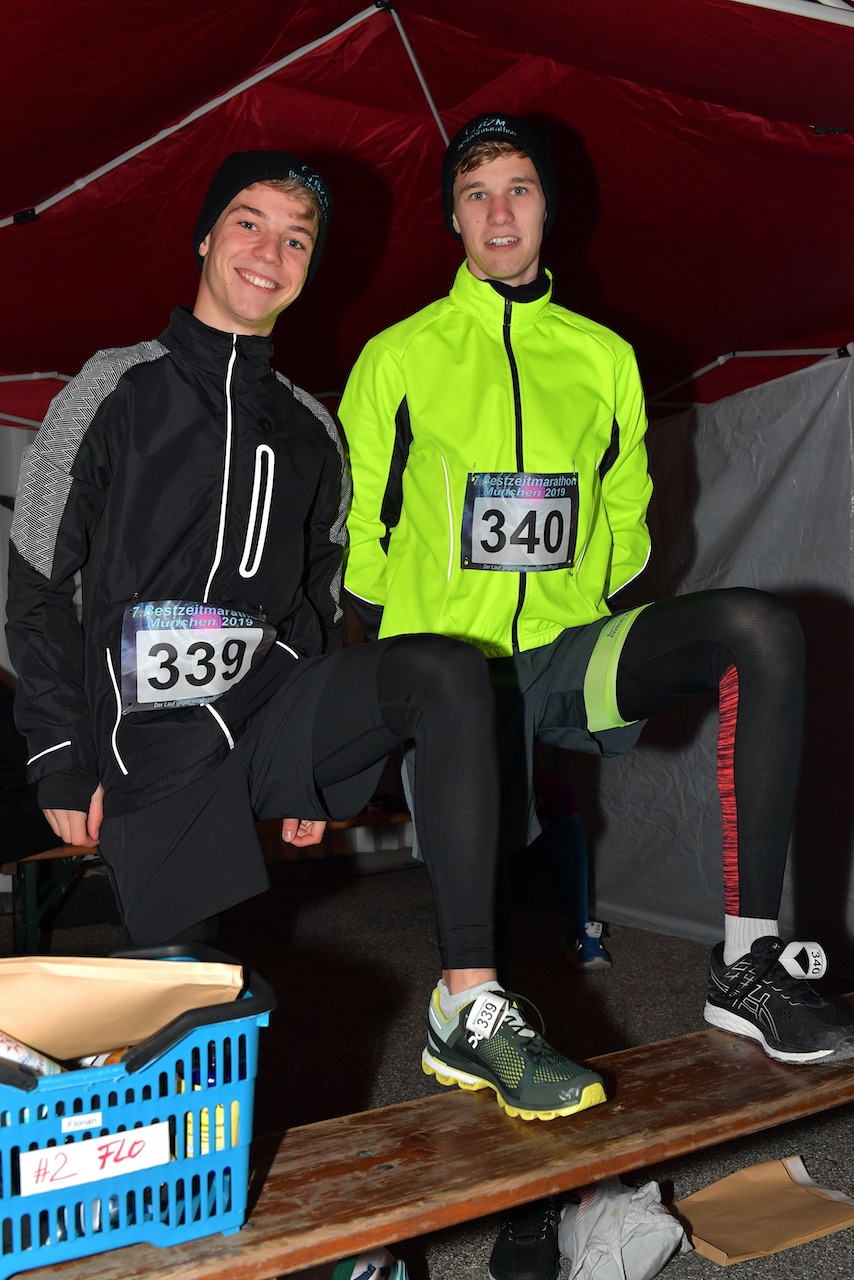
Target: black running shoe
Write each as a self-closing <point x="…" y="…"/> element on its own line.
<point x="765" y="996"/>
<point x="526" y="1247"/>
<point x="489" y="1045"/>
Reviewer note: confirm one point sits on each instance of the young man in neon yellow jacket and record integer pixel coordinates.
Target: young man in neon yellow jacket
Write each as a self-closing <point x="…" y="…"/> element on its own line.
<point x="500" y="494"/>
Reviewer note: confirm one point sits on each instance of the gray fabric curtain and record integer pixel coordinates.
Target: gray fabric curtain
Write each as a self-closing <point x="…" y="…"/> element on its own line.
<point x="755" y="490"/>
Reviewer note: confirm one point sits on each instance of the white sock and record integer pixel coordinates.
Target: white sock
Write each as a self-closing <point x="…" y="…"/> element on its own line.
<point x="451" y="1004"/>
<point x="740" y="933"/>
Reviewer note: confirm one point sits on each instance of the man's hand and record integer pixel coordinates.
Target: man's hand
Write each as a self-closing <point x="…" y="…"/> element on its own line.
<point x="302" y="831"/>
<point x="73" y="826"/>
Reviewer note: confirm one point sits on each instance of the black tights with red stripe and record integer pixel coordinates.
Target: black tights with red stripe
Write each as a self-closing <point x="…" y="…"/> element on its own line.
<point x="749" y="645"/>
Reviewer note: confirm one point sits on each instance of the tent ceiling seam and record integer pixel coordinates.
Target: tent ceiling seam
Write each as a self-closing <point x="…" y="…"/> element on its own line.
<point x="204" y="110"/>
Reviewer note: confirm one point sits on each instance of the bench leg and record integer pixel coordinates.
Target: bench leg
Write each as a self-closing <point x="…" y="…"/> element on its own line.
<point x="25" y="914"/>
<point x="36" y="888"/>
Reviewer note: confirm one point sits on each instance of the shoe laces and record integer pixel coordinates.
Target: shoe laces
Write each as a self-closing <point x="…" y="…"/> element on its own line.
<point x="528" y="1223"/>
<point x="772" y="966"/>
<point x="536" y="1047"/>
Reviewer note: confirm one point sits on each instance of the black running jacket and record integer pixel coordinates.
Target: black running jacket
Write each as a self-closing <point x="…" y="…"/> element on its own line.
<point x="180" y="469"/>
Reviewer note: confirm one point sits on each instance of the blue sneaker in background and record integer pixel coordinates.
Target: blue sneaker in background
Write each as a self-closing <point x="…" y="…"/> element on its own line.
<point x="586" y="949"/>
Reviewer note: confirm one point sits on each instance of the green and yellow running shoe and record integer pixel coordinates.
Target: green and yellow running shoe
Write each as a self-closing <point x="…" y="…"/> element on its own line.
<point x="489" y="1045"/>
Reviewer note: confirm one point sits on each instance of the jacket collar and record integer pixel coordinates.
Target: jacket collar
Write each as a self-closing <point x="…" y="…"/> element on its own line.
<point x="481" y="298"/>
<point x="210" y="349"/>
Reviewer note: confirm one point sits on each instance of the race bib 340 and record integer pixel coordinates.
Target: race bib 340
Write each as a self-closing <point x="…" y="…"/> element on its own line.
<point x="519" y="522"/>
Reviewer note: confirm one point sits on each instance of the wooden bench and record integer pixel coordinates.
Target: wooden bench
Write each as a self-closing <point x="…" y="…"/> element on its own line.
<point x="40" y="880"/>
<point x="38" y="883"/>
<point x="328" y="1190"/>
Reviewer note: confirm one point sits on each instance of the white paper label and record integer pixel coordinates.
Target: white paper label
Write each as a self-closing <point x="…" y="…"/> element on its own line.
<point x="93" y="1159"/>
<point x="74" y="1124"/>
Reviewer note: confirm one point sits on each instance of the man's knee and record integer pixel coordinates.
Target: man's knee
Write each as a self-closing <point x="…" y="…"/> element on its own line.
<point x="765" y="620"/>
<point x="440" y="667"/>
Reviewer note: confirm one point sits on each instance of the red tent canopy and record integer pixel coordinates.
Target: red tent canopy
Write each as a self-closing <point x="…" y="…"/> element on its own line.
<point x="705" y="150"/>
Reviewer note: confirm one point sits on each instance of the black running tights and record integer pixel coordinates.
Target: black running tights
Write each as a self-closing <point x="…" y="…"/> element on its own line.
<point x="748" y="645"/>
<point x="436" y="692"/>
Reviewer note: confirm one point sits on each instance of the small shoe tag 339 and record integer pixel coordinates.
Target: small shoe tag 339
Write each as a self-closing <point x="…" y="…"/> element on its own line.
<point x="486" y="1015"/>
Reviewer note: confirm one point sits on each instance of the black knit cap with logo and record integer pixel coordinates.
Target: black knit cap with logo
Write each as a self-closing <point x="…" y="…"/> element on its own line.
<point x="497" y="127"/>
<point x="240" y="170"/>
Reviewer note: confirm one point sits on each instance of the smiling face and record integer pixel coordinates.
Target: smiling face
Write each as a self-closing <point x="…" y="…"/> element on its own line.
<point x="500" y="211"/>
<point x="255" y="259"/>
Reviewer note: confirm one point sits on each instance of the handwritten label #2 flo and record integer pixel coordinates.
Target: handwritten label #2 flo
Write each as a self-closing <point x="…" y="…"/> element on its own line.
<point x="72" y="1165"/>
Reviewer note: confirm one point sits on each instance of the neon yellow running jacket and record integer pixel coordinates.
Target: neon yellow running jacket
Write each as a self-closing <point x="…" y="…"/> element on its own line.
<point x="525" y="394"/>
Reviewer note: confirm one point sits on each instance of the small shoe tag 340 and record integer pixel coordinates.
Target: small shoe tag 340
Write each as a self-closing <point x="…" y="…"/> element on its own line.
<point x="804" y="960"/>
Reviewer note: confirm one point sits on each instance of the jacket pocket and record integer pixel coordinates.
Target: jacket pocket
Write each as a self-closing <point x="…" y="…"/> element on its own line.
<point x="259" y="511"/>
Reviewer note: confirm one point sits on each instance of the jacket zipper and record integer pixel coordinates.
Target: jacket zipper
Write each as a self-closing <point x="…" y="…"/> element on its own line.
<point x="114" y="735"/>
<point x="226" y="469"/>
<point x="520" y="464"/>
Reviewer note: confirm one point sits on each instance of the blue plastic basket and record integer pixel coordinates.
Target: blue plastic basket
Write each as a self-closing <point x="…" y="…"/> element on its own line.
<point x="197" y="1074"/>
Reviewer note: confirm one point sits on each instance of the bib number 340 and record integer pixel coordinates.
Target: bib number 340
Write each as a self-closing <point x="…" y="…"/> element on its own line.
<point x="520" y="523"/>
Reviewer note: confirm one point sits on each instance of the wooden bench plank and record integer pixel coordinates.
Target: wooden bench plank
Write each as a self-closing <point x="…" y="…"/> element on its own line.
<point x="333" y="1188"/>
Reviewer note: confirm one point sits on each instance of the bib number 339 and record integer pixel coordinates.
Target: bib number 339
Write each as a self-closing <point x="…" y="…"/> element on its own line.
<point x="181" y="653"/>
<point x="519" y="522"/>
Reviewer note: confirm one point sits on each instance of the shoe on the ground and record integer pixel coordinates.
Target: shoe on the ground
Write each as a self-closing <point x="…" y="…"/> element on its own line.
<point x="766" y="997"/>
<point x="489" y="1045"/>
<point x="586" y="949"/>
<point x="378" y="1264"/>
<point x="526" y="1247"/>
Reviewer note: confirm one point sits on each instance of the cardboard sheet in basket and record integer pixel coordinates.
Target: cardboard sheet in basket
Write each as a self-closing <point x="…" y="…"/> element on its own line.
<point x="70" y="1006"/>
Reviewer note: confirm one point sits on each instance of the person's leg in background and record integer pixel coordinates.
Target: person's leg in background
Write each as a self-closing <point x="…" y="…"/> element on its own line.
<point x="565" y="842"/>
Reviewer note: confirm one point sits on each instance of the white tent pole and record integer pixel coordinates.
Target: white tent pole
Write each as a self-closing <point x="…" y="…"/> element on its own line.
<point x="196" y="115"/>
<point x="796" y="351"/>
<point x="10" y="420"/>
<point x="385" y="4"/>
<point x="698" y="373"/>
<point x="764" y="355"/>
<point x="825" y="11"/>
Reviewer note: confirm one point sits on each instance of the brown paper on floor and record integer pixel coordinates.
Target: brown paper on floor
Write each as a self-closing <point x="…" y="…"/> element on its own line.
<point x="760" y="1210"/>
<point x="71" y="1006"/>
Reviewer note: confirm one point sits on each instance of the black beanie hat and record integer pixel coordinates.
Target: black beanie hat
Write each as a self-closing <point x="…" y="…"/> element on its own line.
<point x="499" y="128"/>
<point x="240" y="170"/>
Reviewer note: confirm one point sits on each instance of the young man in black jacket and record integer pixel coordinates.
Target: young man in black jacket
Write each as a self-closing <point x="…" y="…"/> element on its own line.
<point x="201" y="497"/>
